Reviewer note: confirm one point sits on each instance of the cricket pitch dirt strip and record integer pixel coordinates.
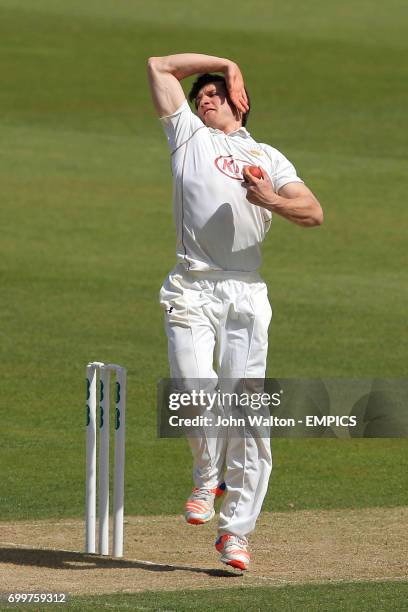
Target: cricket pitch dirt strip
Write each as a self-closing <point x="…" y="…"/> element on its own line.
<point x="164" y="553"/>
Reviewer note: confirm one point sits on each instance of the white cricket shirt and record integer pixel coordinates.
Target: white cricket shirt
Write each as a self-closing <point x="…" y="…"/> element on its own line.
<point x="217" y="228"/>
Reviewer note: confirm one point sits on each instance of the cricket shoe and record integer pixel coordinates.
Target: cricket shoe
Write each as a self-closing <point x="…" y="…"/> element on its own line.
<point x="200" y="505"/>
<point x="234" y="551"/>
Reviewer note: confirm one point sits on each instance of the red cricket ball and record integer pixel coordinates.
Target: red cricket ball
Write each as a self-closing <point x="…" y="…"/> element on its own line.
<point x="255" y="171"/>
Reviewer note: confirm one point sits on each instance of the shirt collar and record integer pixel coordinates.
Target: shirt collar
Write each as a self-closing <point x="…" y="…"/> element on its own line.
<point x="243" y="132"/>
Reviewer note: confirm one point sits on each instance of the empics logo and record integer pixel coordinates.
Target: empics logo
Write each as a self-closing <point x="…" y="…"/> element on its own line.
<point x="231" y="167"/>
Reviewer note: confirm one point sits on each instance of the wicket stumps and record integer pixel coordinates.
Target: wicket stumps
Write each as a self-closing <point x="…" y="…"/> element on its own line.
<point x="105" y="371"/>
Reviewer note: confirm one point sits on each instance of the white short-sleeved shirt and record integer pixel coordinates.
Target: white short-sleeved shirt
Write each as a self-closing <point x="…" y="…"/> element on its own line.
<point x="217" y="228"/>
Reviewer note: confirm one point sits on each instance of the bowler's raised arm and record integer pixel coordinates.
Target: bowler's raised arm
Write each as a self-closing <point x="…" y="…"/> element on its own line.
<point x="165" y="74"/>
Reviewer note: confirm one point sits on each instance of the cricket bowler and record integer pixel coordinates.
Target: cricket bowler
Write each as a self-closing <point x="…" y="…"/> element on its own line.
<point x="216" y="306"/>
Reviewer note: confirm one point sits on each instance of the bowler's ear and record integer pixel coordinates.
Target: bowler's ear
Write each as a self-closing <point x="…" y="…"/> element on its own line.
<point x="237" y="113"/>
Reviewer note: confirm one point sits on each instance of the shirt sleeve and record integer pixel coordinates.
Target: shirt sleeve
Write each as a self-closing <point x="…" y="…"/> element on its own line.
<point x="283" y="171"/>
<point x="181" y="126"/>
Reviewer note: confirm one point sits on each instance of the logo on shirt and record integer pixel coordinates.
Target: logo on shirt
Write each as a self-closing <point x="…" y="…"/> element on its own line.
<point x="231" y="167"/>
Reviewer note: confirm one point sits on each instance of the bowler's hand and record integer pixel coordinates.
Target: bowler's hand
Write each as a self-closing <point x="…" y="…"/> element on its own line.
<point x="236" y="88"/>
<point x="259" y="191"/>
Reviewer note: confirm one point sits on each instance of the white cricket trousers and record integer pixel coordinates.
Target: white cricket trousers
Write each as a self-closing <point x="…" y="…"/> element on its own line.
<point x="217" y="328"/>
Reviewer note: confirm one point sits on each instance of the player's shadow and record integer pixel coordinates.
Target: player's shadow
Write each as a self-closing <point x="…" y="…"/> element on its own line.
<point x="67" y="560"/>
<point x="218" y="236"/>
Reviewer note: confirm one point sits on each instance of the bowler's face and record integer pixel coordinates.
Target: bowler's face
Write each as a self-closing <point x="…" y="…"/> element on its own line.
<point x="213" y="106"/>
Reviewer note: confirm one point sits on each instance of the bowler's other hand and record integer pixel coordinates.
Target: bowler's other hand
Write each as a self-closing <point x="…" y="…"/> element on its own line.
<point x="259" y="191"/>
<point x="236" y="88"/>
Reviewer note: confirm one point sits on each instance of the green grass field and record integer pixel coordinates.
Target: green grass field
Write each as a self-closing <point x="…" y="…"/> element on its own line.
<point x="365" y="597"/>
<point x="88" y="237"/>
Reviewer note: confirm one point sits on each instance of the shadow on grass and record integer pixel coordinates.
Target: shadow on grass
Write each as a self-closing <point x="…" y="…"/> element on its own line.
<point x="67" y="560"/>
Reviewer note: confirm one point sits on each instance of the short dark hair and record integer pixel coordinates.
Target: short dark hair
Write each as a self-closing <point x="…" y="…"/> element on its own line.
<point x="205" y="79"/>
